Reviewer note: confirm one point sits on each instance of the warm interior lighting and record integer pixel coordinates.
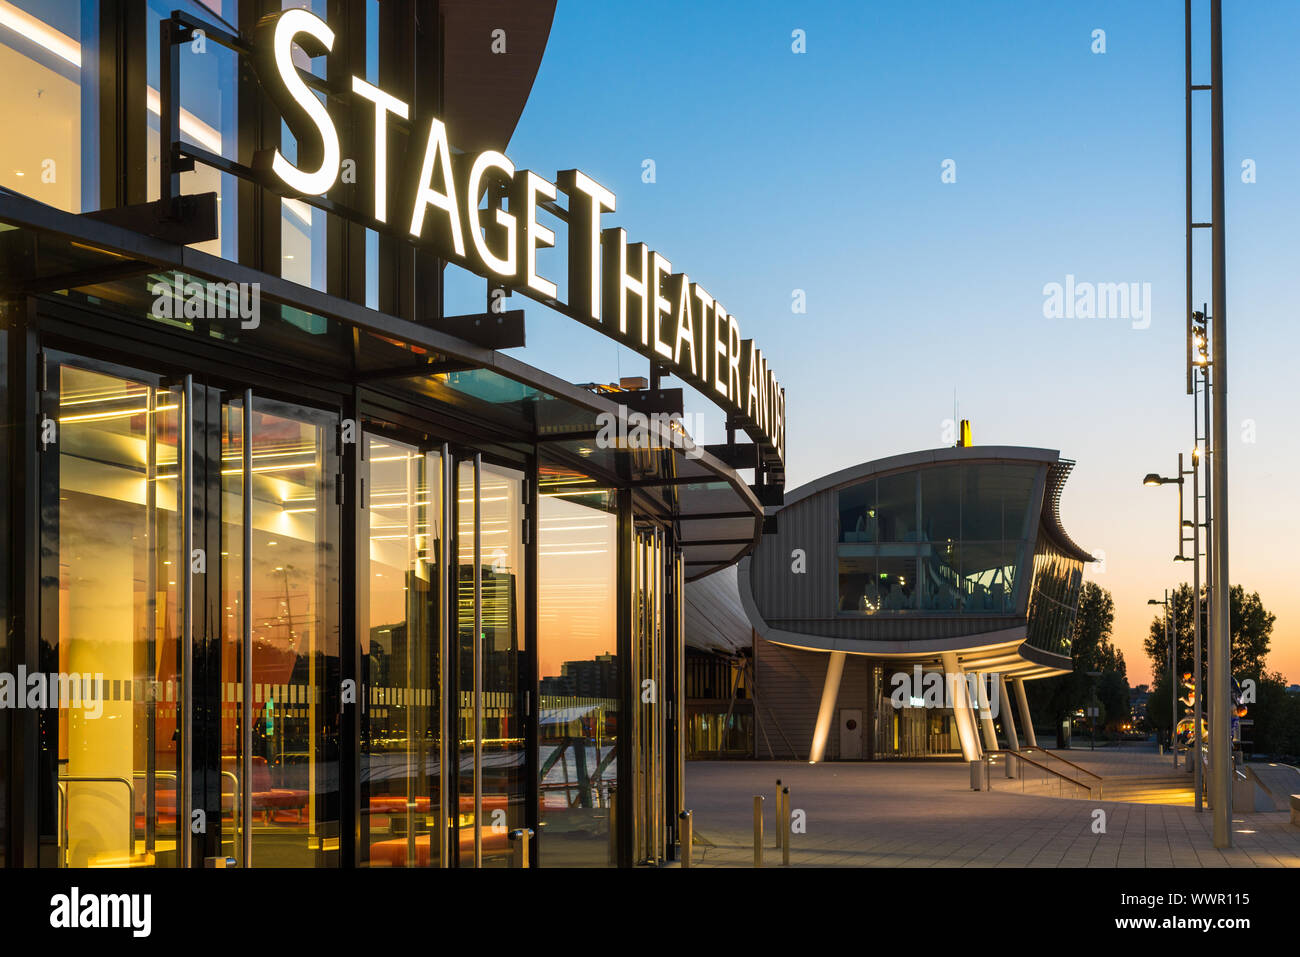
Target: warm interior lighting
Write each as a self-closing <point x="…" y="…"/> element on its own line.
<point x="40" y="33"/>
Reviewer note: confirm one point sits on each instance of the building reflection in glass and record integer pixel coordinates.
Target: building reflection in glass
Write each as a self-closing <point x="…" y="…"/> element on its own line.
<point x="579" y="671"/>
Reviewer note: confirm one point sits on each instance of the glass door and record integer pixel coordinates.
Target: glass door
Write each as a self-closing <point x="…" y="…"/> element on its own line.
<point x="493" y="670"/>
<point x="166" y="505"/>
<point x="649" y="729"/>
<point x="280" y="641"/>
<point x="403" y="654"/>
<point x="115" y="620"/>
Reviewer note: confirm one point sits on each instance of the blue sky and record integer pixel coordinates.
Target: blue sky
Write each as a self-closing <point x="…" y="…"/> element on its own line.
<point x="820" y="171"/>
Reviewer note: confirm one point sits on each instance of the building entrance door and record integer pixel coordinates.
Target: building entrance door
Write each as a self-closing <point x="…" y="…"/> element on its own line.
<point x="850" y="734"/>
<point x="189" y="566"/>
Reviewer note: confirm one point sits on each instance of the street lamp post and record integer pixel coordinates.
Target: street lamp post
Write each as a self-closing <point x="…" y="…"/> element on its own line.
<point x="1153" y="479"/>
<point x="1220" y="649"/>
<point x="1171" y="640"/>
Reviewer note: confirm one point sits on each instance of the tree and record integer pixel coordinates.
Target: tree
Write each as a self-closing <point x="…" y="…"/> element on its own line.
<point x="1251" y="629"/>
<point x="1250" y="624"/>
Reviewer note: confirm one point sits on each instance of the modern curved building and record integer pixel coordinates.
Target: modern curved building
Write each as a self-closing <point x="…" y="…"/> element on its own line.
<point x="949" y="561"/>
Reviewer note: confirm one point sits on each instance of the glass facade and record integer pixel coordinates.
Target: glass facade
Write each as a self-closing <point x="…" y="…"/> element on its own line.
<point x="340" y="612"/>
<point x="1054" y="599"/>
<point x="943" y="539"/>
<point x="49" y="59"/>
<point x="402" y="740"/>
<point x="578" y="666"/>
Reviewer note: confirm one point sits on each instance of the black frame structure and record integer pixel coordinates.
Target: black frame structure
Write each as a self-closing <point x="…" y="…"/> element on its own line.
<point x="79" y="285"/>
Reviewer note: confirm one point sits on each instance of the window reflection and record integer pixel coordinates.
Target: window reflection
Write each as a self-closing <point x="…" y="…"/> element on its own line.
<point x="401" y="739"/>
<point x="578" y="668"/>
<point x="48" y="58"/>
<point x="501" y="647"/>
<point x="944" y="539"/>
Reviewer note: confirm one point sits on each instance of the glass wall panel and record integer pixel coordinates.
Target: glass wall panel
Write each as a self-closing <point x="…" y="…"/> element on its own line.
<point x="579" y="683"/>
<point x="859" y="584"/>
<point x="896" y="508"/>
<point x="1018" y="489"/>
<point x="293" y="595"/>
<point x="111" y="529"/>
<point x="972" y="540"/>
<point x="49" y="61"/>
<point x="302" y="227"/>
<point x="897" y="583"/>
<point x="857" y="506"/>
<point x="501" y="646"/>
<point x="401" y="742"/>
<point x="1054" y="599"/>
<point x="941" y="503"/>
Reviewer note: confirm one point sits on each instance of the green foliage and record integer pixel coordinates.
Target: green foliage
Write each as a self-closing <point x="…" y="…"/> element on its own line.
<point x="1276" y="714"/>
<point x="1250" y="623"/>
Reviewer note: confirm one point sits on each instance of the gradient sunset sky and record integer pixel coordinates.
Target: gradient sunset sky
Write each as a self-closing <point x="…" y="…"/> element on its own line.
<point x="820" y="171"/>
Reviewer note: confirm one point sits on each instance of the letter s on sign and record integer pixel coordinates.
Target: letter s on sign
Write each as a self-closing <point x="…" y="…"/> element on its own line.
<point x="275" y="39"/>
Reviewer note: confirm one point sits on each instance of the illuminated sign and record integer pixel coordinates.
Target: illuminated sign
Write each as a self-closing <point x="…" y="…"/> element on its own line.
<point x="623" y="289"/>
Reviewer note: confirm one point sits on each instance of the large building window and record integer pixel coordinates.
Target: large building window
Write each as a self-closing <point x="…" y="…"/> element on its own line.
<point x="944" y="539"/>
<point x="48" y="54"/>
<point x="1054" y="599"/>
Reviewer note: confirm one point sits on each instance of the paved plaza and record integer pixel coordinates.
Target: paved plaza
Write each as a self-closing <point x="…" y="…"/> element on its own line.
<point x="924" y="814"/>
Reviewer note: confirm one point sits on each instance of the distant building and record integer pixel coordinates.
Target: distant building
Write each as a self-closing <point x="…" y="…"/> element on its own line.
<point x="944" y="569"/>
<point x="591" y="678"/>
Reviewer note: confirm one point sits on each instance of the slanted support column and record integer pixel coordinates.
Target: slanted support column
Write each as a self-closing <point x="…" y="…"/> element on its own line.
<point x="1004" y="707"/>
<point x="985" y="711"/>
<point x="961" y="709"/>
<point x="826" y="711"/>
<point x="1026" y="722"/>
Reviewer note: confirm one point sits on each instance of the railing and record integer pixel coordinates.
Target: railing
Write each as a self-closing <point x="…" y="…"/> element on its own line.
<point x="1078" y="767"/>
<point x="64" y="809"/>
<point x="1061" y="779"/>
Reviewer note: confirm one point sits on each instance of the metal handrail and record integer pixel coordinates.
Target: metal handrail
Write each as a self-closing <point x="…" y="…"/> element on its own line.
<point x="130" y="803"/>
<point x="1034" y="747"/>
<point x="1042" y="767"/>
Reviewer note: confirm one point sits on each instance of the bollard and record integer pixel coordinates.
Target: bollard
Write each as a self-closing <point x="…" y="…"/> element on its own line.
<point x="777" y="845"/>
<point x="687" y="836"/>
<point x="520" y="837"/>
<point x="784" y="826"/>
<point x="613" y="826"/>
<point x="758" y="830"/>
<point x="977" y="775"/>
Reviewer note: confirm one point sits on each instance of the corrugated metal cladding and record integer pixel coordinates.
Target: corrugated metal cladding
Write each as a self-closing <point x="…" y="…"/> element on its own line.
<point x="812" y="526"/>
<point x="788" y="692"/>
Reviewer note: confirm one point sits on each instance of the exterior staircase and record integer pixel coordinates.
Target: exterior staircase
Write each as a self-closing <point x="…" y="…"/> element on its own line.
<point x="1171" y="787"/>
